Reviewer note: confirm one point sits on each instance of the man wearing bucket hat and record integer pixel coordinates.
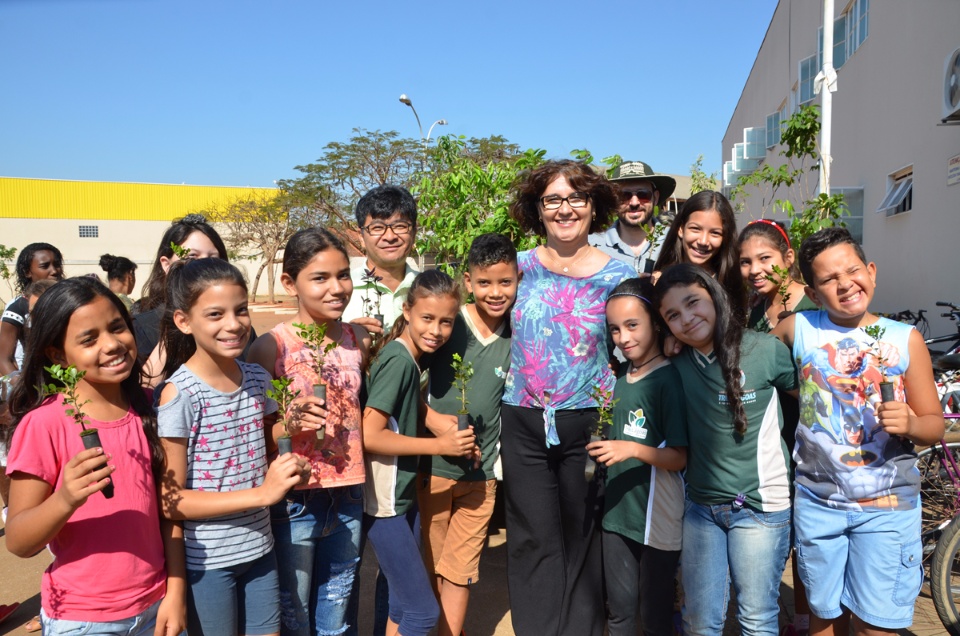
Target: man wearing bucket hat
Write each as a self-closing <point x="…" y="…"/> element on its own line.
<point x="641" y="190"/>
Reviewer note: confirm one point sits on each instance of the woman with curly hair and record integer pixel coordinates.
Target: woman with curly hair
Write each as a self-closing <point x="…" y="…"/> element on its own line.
<point x="558" y="356"/>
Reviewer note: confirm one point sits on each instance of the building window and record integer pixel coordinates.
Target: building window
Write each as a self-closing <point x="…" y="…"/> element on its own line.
<point x="899" y="197"/>
<point x="775" y="122"/>
<point x="858" y="24"/>
<point x="808" y="72"/>
<point x="839" y="41"/>
<point x="89" y="231"/>
<point x="753" y="141"/>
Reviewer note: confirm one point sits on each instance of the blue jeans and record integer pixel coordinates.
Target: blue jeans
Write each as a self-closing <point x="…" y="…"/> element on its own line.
<point x="721" y="542"/>
<point x="239" y="599"/>
<point x="413" y="605"/>
<point x="317" y="535"/>
<point x="142" y="624"/>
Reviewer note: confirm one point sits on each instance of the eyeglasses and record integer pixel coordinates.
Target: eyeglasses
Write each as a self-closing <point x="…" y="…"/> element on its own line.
<point x="643" y="195"/>
<point x="554" y="201"/>
<point x="379" y="229"/>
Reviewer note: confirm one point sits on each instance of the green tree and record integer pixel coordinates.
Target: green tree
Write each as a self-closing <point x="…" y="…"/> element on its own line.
<point x="468" y="193"/>
<point x="700" y="180"/>
<point x="7" y="254"/>
<point x="257" y="227"/>
<point x="329" y="188"/>
<point x="778" y="186"/>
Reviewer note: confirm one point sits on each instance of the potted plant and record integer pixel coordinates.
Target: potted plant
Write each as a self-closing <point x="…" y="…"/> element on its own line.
<point x="370" y="277"/>
<point x="462" y="372"/>
<point x="605" y="403"/>
<point x="655" y="236"/>
<point x="68" y="379"/>
<point x="312" y="336"/>
<point x="283" y="396"/>
<point x="876" y="332"/>
<point x="781" y="278"/>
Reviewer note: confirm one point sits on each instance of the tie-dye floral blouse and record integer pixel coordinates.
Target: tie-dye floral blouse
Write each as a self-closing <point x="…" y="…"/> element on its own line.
<point x="559" y="349"/>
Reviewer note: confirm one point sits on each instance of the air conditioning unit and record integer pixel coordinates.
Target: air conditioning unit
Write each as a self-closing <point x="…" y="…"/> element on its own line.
<point x="951" y="87"/>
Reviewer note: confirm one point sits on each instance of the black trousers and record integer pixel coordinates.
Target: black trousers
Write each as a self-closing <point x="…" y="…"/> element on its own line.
<point x="635" y="571"/>
<point x="554" y="572"/>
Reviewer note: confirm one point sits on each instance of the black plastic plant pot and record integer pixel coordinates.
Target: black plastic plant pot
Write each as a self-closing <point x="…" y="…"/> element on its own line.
<point x="648" y="266"/>
<point x="463" y="422"/>
<point x="379" y="317"/>
<point x="320" y="391"/>
<point x="590" y="470"/>
<point x="91" y="439"/>
<point x="886" y="392"/>
<point x="285" y="444"/>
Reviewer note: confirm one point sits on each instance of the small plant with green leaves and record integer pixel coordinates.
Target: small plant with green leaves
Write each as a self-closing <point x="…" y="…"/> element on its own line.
<point x="781" y="278"/>
<point x="180" y="252"/>
<point x="605" y="403"/>
<point x="876" y="332"/>
<point x="372" y="308"/>
<point x="66" y="382"/>
<point x="312" y="336"/>
<point x="462" y="372"/>
<point x="284" y="397"/>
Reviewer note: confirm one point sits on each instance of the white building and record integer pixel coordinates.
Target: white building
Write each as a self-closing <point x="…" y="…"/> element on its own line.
<point x="894" y="158"/>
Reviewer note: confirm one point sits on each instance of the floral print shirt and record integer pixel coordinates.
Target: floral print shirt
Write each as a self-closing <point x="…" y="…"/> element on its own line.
<point x="559" y="349"/>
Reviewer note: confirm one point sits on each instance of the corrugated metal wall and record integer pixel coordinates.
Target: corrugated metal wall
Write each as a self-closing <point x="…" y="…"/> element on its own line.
<point x="53" y="199"/>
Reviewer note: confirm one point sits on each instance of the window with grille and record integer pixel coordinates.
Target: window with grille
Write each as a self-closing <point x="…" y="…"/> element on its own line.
<point x="89" y="231"/>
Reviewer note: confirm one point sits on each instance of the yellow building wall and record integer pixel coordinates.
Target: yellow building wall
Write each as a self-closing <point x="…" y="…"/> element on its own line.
<point x="99" y="200"/>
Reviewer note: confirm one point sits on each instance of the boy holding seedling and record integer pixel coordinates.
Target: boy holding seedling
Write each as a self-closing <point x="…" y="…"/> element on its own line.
<point x="857" y="508"/>
<point x="467" y="376"/>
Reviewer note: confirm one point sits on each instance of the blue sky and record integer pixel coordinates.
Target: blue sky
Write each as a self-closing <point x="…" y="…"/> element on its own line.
<point x="240" y="92"/>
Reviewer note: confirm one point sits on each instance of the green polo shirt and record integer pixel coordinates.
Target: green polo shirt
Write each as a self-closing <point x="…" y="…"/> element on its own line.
<point x="645" y="503"/>
<point x="491" y="359"/>
<point x="393" y="387"/>
<point x="722" y="464"/>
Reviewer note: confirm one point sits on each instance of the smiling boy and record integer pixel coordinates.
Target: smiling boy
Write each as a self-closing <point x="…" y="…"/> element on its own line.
<point x="857" y="508"/>
<point x="457" y="495"/>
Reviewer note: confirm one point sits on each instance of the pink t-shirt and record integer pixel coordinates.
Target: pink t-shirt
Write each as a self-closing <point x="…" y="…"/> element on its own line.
<point x="108" y="558"/>
<point x="338" y="460"/>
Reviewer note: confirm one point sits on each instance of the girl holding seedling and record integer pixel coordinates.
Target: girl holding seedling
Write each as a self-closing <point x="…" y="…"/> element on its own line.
<point x="768" y="265"/>
<point x="643" y="512"/>
<point x="317" y="527"/>
<point x="737" y="519"/>
<point x="390" y="440"/>
<point x="212" y="414"/>
<point x="109" y="571"/>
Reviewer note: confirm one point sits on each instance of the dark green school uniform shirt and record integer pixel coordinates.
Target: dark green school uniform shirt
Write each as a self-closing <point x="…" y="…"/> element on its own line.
<point x="721" y="464"/>
<point x="393" y="387"/>
<point x="490" y="358"/>
<point x="645" y="503"/>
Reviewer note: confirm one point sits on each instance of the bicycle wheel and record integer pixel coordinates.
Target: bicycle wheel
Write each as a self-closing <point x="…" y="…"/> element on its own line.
<point x="945" y="578"/>
<point x="938" y="497"/>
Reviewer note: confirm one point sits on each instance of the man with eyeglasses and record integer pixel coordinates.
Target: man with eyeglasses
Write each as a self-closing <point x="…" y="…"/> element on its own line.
<point x="628" y="239"/>
<point x="387" y="218"/>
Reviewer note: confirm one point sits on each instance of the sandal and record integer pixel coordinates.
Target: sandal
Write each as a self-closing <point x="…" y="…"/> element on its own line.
<point x="7" y="610"/>
<point x="33" y="625"/>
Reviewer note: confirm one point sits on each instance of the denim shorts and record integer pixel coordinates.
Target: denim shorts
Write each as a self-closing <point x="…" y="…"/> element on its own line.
<point x="240" y="599"/>
<point x="866" y="561"/>
<point x="142" y="624"/>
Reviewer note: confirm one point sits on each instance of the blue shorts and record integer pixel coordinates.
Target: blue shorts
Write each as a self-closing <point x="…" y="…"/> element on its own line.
<point x="866" y="561"/>
<point x="239" y="599"/>
<point x="142" y="624"/>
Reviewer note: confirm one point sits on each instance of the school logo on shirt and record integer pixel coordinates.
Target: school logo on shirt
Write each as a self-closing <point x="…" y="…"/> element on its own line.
<point x="636" y="425"/>
<point x="748" y="397"/>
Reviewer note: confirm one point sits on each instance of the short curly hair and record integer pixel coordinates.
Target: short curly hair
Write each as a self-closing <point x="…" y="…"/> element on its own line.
<point x="604" y="195"/>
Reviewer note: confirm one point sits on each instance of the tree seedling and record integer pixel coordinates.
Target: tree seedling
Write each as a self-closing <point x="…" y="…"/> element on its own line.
<point x="180" y="252"/>
<point x="605" y="403"/>
<point x="781" y="278"/>
<point x="284" y="397"/>
<point x="462" y="372"/>
<point x="68" y="378"/>
<point x="369" y="309"/>
<point x="876" y="332"/>
<point x="312" y="336"/>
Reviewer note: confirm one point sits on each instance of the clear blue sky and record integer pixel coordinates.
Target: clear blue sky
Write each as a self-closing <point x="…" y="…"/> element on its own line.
<point x="240" y="92"/>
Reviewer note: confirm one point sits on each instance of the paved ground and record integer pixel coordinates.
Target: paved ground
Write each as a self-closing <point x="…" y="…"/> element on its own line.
<point x="489" y="613"/>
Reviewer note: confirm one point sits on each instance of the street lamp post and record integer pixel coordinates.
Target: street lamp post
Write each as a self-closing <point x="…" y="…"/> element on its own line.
<point x="440" y="122"/>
